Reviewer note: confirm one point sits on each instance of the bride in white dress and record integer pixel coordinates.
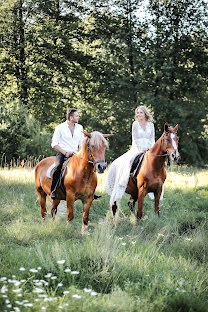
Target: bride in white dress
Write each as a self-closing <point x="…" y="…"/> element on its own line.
<point x="143" y="137"/>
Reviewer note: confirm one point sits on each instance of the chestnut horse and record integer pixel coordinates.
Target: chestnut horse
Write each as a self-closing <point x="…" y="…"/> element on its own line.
<point x="152" y="174"/>
<point x="79" y="179"/>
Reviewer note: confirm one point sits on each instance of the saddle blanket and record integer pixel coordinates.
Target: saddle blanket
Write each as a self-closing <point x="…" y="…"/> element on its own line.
<point x="50" y="170"/>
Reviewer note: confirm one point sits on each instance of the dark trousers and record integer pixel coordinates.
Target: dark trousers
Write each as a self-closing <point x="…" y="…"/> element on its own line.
<point x="57" y="171"/>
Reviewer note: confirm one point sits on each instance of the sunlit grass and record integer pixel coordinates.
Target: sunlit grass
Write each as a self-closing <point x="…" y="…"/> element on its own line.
<point x="158" y="265"/>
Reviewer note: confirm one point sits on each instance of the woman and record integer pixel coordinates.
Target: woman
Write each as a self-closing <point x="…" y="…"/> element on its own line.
<point x="143" y="137"/>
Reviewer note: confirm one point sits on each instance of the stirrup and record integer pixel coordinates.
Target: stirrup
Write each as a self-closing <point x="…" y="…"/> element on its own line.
<point x="53" y="195"/>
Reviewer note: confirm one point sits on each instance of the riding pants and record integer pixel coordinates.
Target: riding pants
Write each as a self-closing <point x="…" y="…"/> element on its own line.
<point x="60" y="158"/>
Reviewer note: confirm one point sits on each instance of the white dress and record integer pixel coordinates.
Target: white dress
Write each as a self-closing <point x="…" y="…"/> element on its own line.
<point x="119" y="171"/>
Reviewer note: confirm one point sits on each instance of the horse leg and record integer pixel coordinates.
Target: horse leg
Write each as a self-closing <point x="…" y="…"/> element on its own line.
<point x="114" y="208"/>
<point x="70" y="199"/>
<point x="42" y="201"/>
<point x="54" y="208"/>
<point x="131" y="204"/>
<point x="85" y="216"/>
<point x="141" y="195"/>
<point x="157" y="194"/>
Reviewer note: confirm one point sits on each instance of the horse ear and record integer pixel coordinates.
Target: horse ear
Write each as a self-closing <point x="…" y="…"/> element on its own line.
<point x="87" y="134"/>
<point x="106" y="136"/>
<point x="166" y="127"/>
<point x="175" y="129"/>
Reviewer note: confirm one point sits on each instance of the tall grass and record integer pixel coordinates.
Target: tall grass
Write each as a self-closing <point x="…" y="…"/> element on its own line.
<point x="158" y="265"/>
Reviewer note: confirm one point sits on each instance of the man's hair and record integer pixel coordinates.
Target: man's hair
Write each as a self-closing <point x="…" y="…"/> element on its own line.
<point x="70" y="112"/>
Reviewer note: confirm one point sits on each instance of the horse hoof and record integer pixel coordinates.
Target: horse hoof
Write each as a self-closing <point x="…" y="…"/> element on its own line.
<point x="84" y="230"/>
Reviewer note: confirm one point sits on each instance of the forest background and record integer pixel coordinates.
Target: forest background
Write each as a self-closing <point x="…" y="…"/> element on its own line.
<point x="105" y="58"/>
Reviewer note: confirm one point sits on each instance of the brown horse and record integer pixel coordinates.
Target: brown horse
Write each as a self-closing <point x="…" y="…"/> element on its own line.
<point x="152" y="174"/>
<point x="79" y="179"/>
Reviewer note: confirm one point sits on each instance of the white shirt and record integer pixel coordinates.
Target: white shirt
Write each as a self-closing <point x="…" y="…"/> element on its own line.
<point x="63" y="137"/>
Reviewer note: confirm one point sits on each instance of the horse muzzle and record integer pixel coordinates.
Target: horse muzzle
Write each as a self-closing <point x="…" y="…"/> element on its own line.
<point x="100" y="166"/>
<point x="175" y="156"/>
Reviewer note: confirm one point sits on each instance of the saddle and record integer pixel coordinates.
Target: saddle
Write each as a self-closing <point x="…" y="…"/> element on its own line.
<point x="51" y="170"/>
<point x="136" y="166"/>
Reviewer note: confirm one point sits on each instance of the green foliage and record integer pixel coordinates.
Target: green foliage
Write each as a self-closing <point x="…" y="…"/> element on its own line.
<point x="105" y="59"/>
<point x="21" y="134"/>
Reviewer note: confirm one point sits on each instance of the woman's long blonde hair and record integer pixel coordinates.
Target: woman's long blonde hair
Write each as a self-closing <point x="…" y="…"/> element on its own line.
<point x="148" y="116"/>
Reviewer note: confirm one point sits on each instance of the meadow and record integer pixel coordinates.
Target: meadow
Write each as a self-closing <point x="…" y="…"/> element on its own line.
<point x="159" y="265"/>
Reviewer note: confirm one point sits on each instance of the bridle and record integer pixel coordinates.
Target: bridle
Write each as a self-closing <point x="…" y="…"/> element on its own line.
<point x="163" y="155"/>
<point x="93" y="161"/>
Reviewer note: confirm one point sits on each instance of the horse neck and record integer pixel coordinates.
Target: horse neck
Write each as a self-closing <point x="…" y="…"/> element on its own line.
<point x="85" y="155"/>
<point x="157" y="149"/>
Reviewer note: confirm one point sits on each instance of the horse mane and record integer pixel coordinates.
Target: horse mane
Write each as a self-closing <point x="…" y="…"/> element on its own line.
<point x="96" y="139"/>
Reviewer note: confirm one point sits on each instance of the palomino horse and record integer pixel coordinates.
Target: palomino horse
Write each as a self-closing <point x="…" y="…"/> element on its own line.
<point x="152" y="173"/>
<point x="79" y="180"/>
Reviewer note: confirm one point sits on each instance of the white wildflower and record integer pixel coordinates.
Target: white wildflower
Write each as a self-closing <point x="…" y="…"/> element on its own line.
<point x="53" y="277"/>
<point x="61" y="261"/>
<point x="133" y="242"/>
<point x="38" y="290"/>
<point x="67" y="270"/>
<point x="123" y="244"/>
<point x="74" y="272"/>
<point x="77" y="296"/>
<point x="94" y="293"/>
<point x="59" y="285"/>
<point x="4" y="289"/>
<point x="87" y="290"/>
<point x="2" y="279"/>
<point x="33" y="270"/>
<point x="17" y="290"/>
<point x="159" y="234"/>
<point x="48" y="275"/>
<point x="22" y="269"/>
<point x="65" y="292"/>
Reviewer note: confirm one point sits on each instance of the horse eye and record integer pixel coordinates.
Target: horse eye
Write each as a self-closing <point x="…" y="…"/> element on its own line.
<point x="93" y="146"/>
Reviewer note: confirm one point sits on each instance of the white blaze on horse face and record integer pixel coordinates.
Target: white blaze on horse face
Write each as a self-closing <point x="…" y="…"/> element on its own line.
<point x="173" y="141"/>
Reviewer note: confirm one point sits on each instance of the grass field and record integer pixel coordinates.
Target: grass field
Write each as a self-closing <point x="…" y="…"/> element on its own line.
<point x="158" y="265"/>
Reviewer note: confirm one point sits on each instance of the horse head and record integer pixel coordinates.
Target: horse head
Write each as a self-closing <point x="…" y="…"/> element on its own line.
<point x="96" y="144"/>
<point x="171" y="141"/>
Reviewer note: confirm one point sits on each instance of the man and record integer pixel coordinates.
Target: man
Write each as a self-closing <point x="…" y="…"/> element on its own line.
<point x="67" y="140"/>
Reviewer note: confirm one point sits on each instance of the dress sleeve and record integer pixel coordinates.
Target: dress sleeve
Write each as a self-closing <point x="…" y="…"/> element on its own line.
<point x="152" y="136"/>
